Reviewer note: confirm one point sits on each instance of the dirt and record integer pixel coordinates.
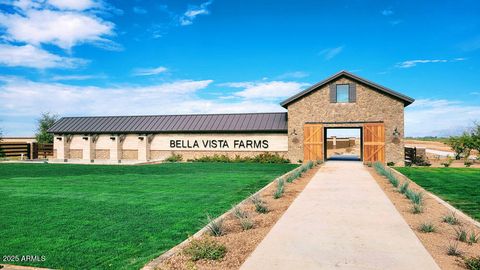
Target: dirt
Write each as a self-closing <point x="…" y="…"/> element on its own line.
<point x="239" y="243"/>
<point x="437" y="242"/>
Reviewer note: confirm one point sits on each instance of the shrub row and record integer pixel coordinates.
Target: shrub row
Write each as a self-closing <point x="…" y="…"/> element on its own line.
<point x="260" y="158"/>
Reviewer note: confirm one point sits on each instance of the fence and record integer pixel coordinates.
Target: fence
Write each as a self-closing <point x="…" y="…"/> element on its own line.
<point x="26" y="150"/>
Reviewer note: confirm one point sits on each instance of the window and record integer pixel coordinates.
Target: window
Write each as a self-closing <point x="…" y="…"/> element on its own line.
<point x="342" y="93"/>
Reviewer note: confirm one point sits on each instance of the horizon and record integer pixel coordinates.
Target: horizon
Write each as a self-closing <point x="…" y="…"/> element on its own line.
<point x="95" y="57"/>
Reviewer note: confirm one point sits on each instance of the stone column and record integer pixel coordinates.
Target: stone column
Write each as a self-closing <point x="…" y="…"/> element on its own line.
<point x="334" y="142"/>
<point x="89" y="149"/>
<point x="115" y="149"/>
<point x="63" y="147"/>
<point x="143" y="148"/>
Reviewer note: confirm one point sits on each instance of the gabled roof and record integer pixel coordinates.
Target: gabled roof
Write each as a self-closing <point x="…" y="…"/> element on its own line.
<point x="406" y="100"/>
<point x="245" y="122"/>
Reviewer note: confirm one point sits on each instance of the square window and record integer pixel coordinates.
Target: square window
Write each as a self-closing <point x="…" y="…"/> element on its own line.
<point x="342" y="93"/>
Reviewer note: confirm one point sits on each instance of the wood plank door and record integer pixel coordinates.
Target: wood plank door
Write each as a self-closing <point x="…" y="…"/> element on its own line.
<point x="312" y="142"/>
<point x="373" y="143"/>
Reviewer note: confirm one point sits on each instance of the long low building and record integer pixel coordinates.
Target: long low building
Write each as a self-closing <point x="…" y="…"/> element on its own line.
<point x="343" y="100"/>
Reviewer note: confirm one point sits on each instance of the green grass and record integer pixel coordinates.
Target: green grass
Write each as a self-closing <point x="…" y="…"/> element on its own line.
<point x="115" y="217"/>
<point x="458" y="186"/>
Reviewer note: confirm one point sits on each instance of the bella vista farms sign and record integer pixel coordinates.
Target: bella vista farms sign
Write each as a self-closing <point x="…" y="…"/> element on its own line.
<point x="218" y="144"/>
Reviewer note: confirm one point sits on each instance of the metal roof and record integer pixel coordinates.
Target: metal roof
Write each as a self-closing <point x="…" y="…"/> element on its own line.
<point x="406" y="100"/>
<point x="246" y="122"/>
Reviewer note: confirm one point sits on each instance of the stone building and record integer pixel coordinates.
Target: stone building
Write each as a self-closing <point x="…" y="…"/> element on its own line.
<point x="343" y="100"/>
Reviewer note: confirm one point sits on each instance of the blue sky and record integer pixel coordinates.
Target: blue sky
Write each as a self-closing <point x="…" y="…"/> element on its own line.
<point x="93" y="57"/>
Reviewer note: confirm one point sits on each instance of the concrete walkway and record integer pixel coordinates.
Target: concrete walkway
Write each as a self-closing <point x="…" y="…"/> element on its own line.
<point x="342" y="220"/>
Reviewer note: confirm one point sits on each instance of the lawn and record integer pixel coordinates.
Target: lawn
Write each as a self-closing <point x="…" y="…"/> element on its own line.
<point x="115" y="217"/>
<point x="458" y="186"/>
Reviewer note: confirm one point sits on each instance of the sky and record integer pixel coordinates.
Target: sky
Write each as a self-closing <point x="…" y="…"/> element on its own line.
<point x="138" y="57"/>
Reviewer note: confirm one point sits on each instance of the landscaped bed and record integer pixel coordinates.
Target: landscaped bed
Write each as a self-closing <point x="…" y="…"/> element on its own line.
<point x="118" y="217"/>
<point x="458" y="186"/>
<point x="445" y="234"/>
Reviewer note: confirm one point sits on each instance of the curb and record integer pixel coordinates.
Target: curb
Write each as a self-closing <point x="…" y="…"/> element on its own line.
<point x="438" y="199"/>
<point x="174" y="250"/>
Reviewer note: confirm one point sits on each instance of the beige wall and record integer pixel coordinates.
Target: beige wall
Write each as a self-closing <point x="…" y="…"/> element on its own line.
<point x="369" y="106"/>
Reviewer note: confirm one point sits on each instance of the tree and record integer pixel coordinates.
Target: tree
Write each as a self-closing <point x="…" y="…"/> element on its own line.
<point x="44" y="123"/>
<point x="475" y="139"/>
<point x="461" y="145"/>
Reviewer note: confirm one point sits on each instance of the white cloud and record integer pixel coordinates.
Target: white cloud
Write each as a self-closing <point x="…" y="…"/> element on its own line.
<point x="331" y="52"/>
<point x="387" y="12"/>
<point x="193" y="11"/>
<point x="74" y="4"/>
<point x="293" y="75"/>
<point x="23" y="100"/>
<point x="149" y="71"/>
<point x="64" y="29"/>
<point x="76" y="77"/>
<point x="439" y="117"/>
<point x="413" y="63"/>
<point x="33" y="57"/>
<point x="139" y="10"/>
<point x="266" y="90"/>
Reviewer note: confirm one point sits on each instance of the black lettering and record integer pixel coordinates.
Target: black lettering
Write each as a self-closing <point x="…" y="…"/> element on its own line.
<point x="249" y="144"/>
<point x="172" y="144"/>
<point x="195" y="144"/>
<point x="257" y="144"/>
<point x="265" y="144"/>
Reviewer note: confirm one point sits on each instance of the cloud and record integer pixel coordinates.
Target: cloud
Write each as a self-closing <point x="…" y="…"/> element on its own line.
<point x="64" y="29"/>
<point x="293" y="75"/>
<point x="387" y="12"/>
<point x="413" y="63"/>
<point x="23" y="100"/>
<point x="149" y="71"/>
<point x="76" y="77"/>
<point x="439" y="117"/>
<point x="139" y="10"/>
<point x="266" y="90"/>
<point x="331" y="52"/>
<point x="74" y="4"/>
<point x="193" y="11"/>
<point x="33" y="57"/>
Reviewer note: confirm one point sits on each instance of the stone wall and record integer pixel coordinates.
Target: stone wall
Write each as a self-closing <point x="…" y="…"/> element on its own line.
<point x="129" y="154"/>
<point x="102" y="154"/>
<point x="186" y="155"/>
<point x="370" y="106"/>
<point x="75" y="154"/>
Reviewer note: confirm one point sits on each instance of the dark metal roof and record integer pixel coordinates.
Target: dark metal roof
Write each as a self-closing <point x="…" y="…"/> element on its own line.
<point x="246" y="122"/>
<point x="406" y="100"/>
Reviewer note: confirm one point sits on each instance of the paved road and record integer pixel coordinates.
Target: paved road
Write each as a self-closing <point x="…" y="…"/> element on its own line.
<point x="342" y="220"/>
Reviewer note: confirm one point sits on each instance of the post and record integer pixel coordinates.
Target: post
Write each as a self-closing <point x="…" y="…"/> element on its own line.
<point x="89" y="149"/>
<point x="63" y="147"/>
<point x="144" y="147"/>
<point x="116" y="148"/>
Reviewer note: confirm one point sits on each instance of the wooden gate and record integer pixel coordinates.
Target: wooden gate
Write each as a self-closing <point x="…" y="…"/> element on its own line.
<point x="312" y="142"/>
<point x="373" y="143"/>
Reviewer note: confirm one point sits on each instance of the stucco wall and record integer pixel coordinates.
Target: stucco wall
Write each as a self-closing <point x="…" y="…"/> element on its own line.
<point x="370" y="105"/>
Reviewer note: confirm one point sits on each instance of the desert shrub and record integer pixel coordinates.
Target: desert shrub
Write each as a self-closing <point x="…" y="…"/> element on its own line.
<point x="205" y="248"/>
<point x="460" y="234"/>
<point x="468" y="163"/>
<point x="390" y="164"/>
<point x="246" y="223"/>
<point x="260" y="158"/>
<point x="215" y="227"/>
<point x="174" y="158"/>
<point x="451" y="219"/>
<point x="461" y="145"/>
<point x="290" y="178"/>
<point x="473" y="238"/>
<point x="392" y="179"/>
<point x="453" y="249"/>
<point x="239" y="212"/>
<point x="447" y="163"/>
<point x="417" y="208"/>
<point x="380" y="168"/>
<point x="472" y="263"/>
<point x="310" y="165"/>
<point x="280" y="188"/>
<point x="260" y="205"/>
<point x="404" y="187"/>
<point x="415" y="197"/>
<point x="427" y="227"/>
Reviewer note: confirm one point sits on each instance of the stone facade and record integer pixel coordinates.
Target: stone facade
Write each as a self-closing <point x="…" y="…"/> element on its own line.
<point x="102" y="154"/>
<point x="370" y="106"/>
<point x="75" y="154"/>
<point x="130" y="154"/>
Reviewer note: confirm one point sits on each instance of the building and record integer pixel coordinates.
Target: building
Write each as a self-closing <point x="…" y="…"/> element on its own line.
<point x="343" y="100"/>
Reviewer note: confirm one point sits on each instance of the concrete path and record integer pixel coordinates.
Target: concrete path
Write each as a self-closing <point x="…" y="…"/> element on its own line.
<point x="342" y="220"/>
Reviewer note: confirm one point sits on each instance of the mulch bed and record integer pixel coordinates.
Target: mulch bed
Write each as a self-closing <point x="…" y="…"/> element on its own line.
<point x="239" y="243"/>
<point x="437" y="242"/>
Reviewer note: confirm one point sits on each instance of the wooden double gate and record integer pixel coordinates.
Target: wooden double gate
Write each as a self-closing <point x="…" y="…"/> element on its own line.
<point x="373" y="141"/>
